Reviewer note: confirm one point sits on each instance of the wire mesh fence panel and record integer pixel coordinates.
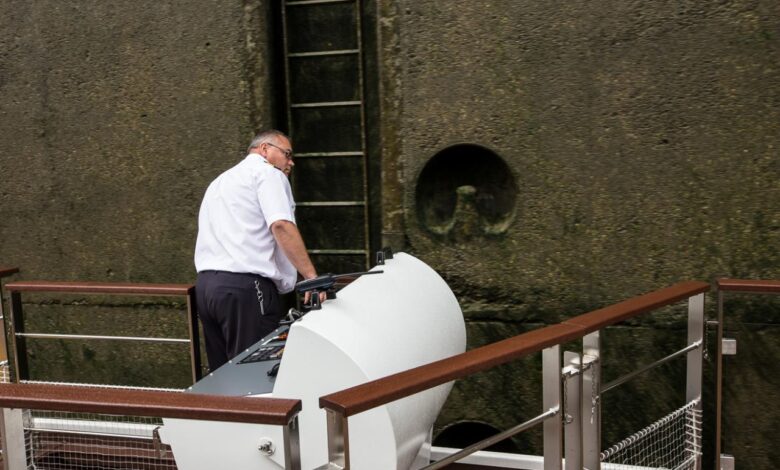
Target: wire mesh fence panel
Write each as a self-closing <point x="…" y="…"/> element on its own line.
<point x="5" y="377"/>
<point x="673" y="443"/>
<point x="60" y="441"/>
<point x="5" y="372"/>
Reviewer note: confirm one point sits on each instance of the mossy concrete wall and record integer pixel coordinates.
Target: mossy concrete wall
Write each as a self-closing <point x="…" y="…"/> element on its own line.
<point x="642" y="139"/>
<point x="114" y="117"/>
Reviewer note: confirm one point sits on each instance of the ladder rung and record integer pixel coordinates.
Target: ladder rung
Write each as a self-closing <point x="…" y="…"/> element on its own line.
<point x="326" y="104"/>
<point x="324" y="53"/>
<point x="331" y="203"/>
<point x="328" y="154"/>
<point x="337" y="252"/>
<point x="299" y="3"/>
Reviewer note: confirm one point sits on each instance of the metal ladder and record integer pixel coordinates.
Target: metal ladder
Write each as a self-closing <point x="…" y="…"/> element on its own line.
<point x="326" y="118"/>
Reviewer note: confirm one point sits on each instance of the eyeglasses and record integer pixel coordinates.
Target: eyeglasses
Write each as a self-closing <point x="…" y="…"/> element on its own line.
<point x="287" y="152"/>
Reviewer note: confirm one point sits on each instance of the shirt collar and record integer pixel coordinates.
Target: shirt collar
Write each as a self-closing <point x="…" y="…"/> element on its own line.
<point x="262" y="158"/>
<point x="258" y="155"/>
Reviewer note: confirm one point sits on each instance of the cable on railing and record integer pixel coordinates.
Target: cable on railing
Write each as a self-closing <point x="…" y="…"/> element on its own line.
<point x="643" y="369"/>
<point x="493" y="439"/>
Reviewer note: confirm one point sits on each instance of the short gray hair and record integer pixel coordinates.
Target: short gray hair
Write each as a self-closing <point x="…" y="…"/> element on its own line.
<point x="266" y="136"/>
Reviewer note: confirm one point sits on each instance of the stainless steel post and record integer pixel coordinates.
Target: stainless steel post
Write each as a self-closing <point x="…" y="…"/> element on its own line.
<point x="551" y="399"/>
<point x="292" y="445"/>
<point x="591" y="401"/>
<point x="572" y="417"/>
<point x="694" y="362"/>
<point x="3" y="339"/>
<point x="194" y="332"/>
<point x="18" y="343"/>
<point x="719" y="383"/>
<point x="338" y="440"/>
<point x="14" y="449"/>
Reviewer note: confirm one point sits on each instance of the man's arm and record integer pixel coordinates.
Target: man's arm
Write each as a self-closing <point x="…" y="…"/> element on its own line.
<point x="289" y="239"/>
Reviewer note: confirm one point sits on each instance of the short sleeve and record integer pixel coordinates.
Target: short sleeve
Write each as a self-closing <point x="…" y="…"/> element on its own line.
<point x="275" y="197"/>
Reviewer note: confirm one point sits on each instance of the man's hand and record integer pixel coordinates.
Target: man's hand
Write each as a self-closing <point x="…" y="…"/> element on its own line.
<point x="307" y="297"/>
<point x="290" y="241"/>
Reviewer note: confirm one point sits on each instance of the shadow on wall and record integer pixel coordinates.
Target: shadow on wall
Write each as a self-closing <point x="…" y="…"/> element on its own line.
<point x="464" y="433"/>
<point x="466" y="191"/>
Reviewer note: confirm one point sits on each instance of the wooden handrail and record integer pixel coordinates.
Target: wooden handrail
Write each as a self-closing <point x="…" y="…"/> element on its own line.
<point x="274" y="411"/>
<point x="598" y="319"/>
<point x="746" y="285"/>
<point x="100" y="288"/>
<point x="379" y="392"/>
<point x="393" y="387"/>
<point x="4" y="272"/>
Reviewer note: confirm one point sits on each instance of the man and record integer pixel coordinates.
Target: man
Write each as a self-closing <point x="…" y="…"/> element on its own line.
<point x="248" y="250"/>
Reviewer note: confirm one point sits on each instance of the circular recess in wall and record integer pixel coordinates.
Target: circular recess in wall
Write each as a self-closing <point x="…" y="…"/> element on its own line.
<point x="466" y="190"/>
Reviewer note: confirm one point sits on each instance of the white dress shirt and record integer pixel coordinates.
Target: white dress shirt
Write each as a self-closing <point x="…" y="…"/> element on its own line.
<point x="234" y="225"/>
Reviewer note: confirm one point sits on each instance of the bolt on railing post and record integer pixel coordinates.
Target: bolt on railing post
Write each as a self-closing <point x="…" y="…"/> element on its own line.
<point x="591" y="401"/>
<point x="292" y="445"/>
<point x="571" y="411"/>
<point x="551" y="399"/>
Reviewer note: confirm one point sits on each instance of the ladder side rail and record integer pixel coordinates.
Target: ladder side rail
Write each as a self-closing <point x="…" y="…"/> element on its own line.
<point x="363" y="138"/>
<point x="363" y="251"/>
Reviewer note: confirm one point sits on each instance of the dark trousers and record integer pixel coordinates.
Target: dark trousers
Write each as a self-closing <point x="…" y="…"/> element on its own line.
<point x="236" y="310"/>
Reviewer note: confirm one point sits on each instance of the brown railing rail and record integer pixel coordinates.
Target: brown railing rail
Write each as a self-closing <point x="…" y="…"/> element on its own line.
<point x="148" y="403"/>
<point x="598" y="319"/>
<point x="746" y="285"/>
<point x="100" y="288"/>
<point x="16" y="398"/>
<point x="4" y="272"/>
<point x="18" y="334"/>
<point x="379" y="392"/>
<point x="363" y="397"/>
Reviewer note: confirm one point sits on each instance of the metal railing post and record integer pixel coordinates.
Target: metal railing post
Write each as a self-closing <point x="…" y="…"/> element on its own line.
<point x="194" y="331"/>
<point x="338" y="440"/>
<point x="14" y="449"/>
<point x="551" y="399"/>
<point x="695" y="334"/>
<point x="591" y="401"/>
<point x="571" y="411"/>
<point x="719" y="382"/>
<point x="292" y="445"/>
<point x="3" y="326"/>
<point x="19" y="344"/>
<point x="695" y="357"/>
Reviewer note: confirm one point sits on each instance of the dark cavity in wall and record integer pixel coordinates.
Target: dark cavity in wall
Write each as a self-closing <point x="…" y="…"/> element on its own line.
<point x="466" y="190"/>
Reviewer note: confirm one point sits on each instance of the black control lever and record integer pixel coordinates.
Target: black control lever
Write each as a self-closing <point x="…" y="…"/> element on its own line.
<point x="292" y="316"/>
<point x="324" y="283"/>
